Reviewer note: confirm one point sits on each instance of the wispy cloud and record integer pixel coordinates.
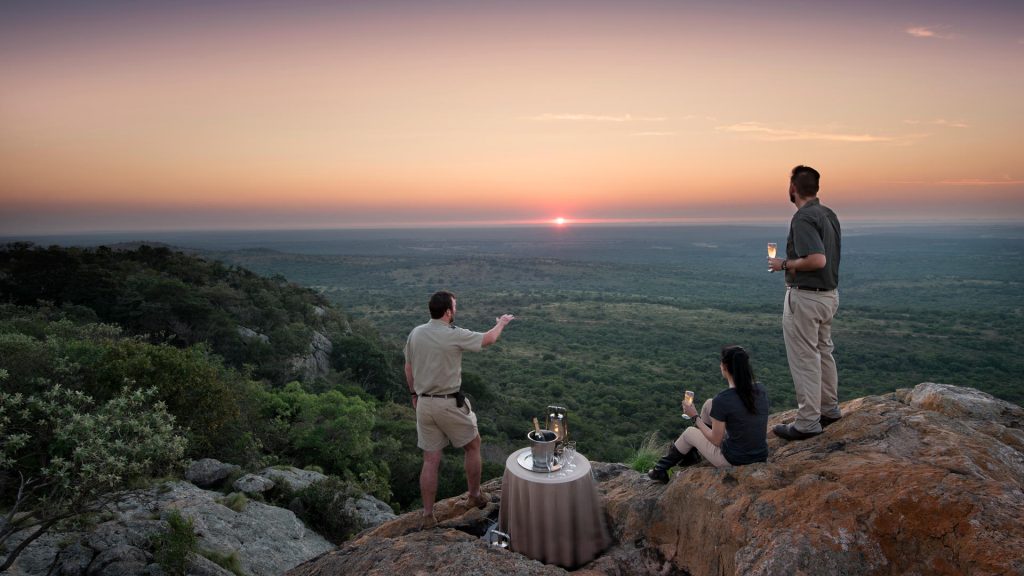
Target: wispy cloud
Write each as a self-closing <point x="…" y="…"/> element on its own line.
<point x="596" y="118"/>
<point x="1004" y="181"/>
<point x="940" y="32"/>
<point x="654" y="134"/>
<point x="762" y="132"/>
<point x="940" y="122"/>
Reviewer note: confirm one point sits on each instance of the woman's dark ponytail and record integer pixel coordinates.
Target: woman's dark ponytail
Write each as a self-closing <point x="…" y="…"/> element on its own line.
<point x="737" y="362"/>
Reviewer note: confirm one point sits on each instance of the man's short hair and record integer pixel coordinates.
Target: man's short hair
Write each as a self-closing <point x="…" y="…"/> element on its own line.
<point x="805" y="179"/>
<point x="440" y="303"/>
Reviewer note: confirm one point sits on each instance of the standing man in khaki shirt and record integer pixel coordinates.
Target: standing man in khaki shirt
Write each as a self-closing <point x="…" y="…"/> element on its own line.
<point x="812" y="298"/>
<point x="433" y="371"/>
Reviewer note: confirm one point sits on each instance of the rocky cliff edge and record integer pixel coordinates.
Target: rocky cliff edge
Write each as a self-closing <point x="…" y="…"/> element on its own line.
<point x="928" y="480"/>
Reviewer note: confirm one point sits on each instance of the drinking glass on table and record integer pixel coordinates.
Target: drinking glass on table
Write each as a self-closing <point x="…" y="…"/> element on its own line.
<point x="771" y="253"/>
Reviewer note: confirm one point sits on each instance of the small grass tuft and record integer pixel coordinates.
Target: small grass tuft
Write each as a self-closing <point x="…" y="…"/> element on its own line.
<point x="647" y="455"/>
<point x="228" y="561"/>
<point x="236" y="501"/>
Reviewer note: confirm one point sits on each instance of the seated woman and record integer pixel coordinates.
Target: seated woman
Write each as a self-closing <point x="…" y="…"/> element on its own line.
<point x="732" y="428"/>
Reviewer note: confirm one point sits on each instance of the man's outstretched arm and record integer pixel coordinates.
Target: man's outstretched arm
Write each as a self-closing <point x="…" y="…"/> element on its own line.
<point x="492" y="335"/>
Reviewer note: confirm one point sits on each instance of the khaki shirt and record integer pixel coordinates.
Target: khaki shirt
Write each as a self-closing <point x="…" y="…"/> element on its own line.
<point x="434" y="350"/>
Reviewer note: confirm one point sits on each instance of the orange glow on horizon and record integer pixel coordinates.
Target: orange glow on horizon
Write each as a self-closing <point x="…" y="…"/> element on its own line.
<point x="417" y="113"/>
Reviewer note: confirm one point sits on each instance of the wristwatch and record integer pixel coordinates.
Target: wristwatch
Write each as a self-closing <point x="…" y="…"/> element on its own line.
<point x="785" y="264"/>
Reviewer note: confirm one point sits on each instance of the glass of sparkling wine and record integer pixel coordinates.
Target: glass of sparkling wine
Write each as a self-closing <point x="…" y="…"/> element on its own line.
<point x="771" y="253"/>
<point x="688" y="400"/>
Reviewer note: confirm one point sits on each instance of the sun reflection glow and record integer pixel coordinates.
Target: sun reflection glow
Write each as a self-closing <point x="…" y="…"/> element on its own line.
<point x="559" y="221"/>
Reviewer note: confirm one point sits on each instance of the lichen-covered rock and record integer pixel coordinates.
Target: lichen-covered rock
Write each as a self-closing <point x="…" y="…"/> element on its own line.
<point x="295" y="478"/>
<point x="316" y="362"/>
<point x="208" y="472"/>
<point x="371" y="511"/>
<point x="892" y="488"/>
<point x="253" y="484"/>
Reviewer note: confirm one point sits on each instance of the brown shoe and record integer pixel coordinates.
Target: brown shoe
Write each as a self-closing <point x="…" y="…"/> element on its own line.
<point x="428" y="522"/>
<point x="480" y="501"/>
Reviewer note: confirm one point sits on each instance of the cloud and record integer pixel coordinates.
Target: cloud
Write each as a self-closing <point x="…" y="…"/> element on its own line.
<point x="1004" y="181"/>
<point x="767" y="133"/>
<point x="940" y="122"/>
<point x="596" y="118"/>
<point x="654" y="134"/>
<point x="940" y="32"/>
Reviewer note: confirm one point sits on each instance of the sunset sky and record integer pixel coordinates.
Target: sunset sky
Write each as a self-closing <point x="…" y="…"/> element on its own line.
<point x="243" y="114"/>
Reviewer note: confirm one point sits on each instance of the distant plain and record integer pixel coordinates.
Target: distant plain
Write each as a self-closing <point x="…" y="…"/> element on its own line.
<point x="615" y="322"/>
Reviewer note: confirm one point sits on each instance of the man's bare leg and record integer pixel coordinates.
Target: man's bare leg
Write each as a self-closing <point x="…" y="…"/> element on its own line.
<point x="428" y="479"/>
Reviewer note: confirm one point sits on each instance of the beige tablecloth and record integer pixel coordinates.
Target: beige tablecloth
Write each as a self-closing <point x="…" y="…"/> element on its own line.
<point x="552" y="517"/>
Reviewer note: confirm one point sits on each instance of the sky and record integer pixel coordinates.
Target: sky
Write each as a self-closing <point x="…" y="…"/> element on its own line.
<point x="118" y="115"/>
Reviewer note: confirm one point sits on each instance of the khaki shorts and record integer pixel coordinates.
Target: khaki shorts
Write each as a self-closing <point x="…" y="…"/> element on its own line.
<point x="439" y="420"/>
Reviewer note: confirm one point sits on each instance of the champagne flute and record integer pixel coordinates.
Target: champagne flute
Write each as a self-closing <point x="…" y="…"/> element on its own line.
<point x="771" y="253"/>
<point x="688" y="400"/>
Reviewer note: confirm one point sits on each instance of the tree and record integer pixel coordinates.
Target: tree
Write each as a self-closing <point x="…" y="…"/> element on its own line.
<point x="63" y="456"/>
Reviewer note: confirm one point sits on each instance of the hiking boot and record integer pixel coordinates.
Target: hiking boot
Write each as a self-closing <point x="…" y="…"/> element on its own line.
<point x="660" y="471"/>
<point x="827" y="421"/>
<point x="789" y="432"/>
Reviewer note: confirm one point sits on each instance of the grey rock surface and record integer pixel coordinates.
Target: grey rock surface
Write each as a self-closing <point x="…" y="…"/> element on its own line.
<point x="295" y="478"/>
<point x="253" y="484"/>
<point x="371" y="511"/>
<point x="268" y="540"/>
<point x="208" y="472"/>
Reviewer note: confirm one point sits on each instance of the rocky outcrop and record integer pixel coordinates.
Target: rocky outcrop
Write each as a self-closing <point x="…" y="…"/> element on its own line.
<point x="208" y="473"/>
<point x="922" y="481"/>
<point x="267" y="540"/>
<point x="251" y="484"/>
<point x="317" y="362"/>
<point x="294" y="478"/>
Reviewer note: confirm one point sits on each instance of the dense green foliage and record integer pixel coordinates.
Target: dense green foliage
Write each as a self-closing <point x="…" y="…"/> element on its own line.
<point x="240" y="401"/>
<point x="616" y="323"/>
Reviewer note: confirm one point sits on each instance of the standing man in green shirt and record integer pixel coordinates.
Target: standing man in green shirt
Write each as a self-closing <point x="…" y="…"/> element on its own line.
<point x="812" y="278"/>
<point x="433" y="372"/>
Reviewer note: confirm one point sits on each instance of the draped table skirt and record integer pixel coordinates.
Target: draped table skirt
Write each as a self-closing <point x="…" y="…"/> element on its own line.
<point x="553" y="517"/>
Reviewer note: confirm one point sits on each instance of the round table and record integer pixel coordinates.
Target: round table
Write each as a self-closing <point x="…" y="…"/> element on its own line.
<point x="554" y="517"/>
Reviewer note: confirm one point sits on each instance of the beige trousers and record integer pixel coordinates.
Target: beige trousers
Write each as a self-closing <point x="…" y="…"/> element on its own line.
<point x="692" y="438"/>
<point x="807" y="328"/>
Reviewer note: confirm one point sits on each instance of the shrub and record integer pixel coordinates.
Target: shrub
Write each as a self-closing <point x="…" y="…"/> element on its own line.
<point x="172" y="548"/>
<point x="322" y="507"/>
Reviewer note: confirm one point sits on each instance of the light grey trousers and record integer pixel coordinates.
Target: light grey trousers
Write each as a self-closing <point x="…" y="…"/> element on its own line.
<point x="807" y="328"/>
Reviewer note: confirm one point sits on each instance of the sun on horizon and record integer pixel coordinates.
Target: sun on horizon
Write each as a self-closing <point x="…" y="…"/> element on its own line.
<point x="560" y="221"/>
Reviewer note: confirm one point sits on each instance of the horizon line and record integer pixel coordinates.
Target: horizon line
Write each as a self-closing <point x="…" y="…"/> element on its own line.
<point x="512" y="224"/>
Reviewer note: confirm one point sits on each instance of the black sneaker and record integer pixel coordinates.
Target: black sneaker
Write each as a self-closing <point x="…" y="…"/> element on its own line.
<point x="788" y="432"/>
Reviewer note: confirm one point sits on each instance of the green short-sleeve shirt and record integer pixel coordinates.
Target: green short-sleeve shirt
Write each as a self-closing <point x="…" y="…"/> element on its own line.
<point x="815" y="230"/>
<point x="434" y="350"/>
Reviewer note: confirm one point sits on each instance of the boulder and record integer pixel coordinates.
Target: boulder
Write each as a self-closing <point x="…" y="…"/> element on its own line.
<point x="268" y="540"/>
<point x="893" y="488"/>
<point x="317" y="362"/>
<point x="253" y="484"/>
<point x="294" y="478"/>
<point x="371" y="511"/>
<point x="119" y="560"/>
<point x="250" y="334"/>
<point x="209" y="473"/>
